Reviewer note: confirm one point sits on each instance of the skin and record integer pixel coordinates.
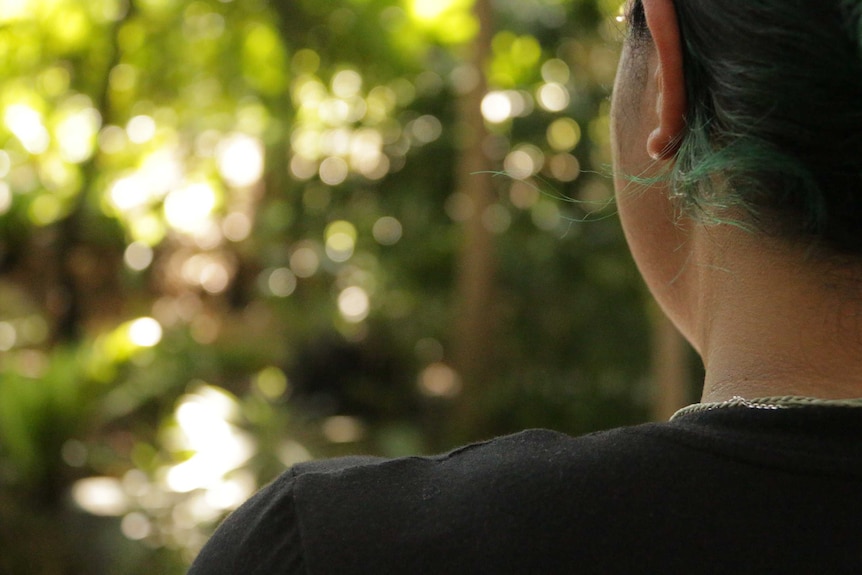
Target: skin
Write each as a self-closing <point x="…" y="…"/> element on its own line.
<point x="766" y="319"/>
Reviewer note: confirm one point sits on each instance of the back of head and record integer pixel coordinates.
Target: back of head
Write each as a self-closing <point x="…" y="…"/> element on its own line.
<point x="774" y="118"/>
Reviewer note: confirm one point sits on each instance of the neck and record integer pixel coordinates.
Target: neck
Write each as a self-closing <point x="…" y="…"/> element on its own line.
<point x="772" y="322"/>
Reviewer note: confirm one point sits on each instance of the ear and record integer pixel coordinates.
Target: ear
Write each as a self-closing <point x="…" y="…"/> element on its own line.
<point x="661" y="19"/>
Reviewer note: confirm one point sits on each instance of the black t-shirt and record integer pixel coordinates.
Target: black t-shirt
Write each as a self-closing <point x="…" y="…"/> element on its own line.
<point x="734" y="490"/>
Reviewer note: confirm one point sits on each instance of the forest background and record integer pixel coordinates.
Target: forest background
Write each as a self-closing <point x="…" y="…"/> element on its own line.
<point x="239" y="234"/>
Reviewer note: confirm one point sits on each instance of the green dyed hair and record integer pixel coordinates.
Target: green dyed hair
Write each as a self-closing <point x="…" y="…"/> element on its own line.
<point x="774" y="118"/>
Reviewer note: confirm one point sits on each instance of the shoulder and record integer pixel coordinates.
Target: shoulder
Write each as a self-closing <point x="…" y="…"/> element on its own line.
<point x="431" y="514"/>
<point x="618" y="501"/>
<point x="517" y="453"/>
<point x="262" y="536"/>
<point x="530" y="464"/>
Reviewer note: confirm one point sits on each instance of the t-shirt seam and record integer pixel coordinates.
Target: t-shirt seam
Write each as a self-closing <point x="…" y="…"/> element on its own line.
<point x="300" y="527"/>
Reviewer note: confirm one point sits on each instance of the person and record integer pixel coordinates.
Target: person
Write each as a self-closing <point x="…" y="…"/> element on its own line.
<point x="737" y="141"/>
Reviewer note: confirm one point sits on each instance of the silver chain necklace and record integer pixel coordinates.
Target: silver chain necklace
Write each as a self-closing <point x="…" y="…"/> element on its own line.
<point x="779" y="402"/>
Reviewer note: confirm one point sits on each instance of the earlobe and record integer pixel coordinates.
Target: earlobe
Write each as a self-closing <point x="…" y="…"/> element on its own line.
<point x="664" y="140"/>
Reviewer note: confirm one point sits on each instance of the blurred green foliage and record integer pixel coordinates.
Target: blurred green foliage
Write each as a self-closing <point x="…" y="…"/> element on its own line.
<point x="228" y="236"/>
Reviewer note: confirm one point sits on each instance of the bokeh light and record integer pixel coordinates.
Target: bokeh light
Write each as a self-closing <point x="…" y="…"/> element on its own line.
<point x="5" y="163"/>
<point x="496" y="107"/>
<point x="343" y="429"/>
<point x="100" y="496"/>
<point x="236" y="226"/>
<point x="76" y="133"/>
<point x="340" y="240"/>
<point x="553" y="97"/>
<point x="334" y="170"/>
<point x="8" y="336"/>
<point x="138" y="256"/>
<point x="240" y="159"/>
<point x="217" y="446"/>
<point x="546" y="215"/>
<point x="496" y="219"/>
<point x="564" y="167"/>
<point x="189" y="208"/>
<point x="346" y="83"/>
<point x="387" y="231"/>
<point x="145" y="332"/>
<point x="439" y="380"/>
<point x="354" y="304"/>
<point x="271" y="382"/>
<point x="556" y="70"/>
<point x="281" y="282"/>
<point x="523" y="195"/>
<point x="27" y="125"/>
<point x="305" y="261"/>
<point x="5" y="198"/>
<point x="141" y="129"/>
<point x="524" y="161"/>
<point x="564" y="134"/>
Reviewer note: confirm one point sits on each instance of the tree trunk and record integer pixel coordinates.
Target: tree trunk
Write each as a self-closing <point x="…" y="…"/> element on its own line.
<point x="475" y="302"/>
<point x="81" y="287"/>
